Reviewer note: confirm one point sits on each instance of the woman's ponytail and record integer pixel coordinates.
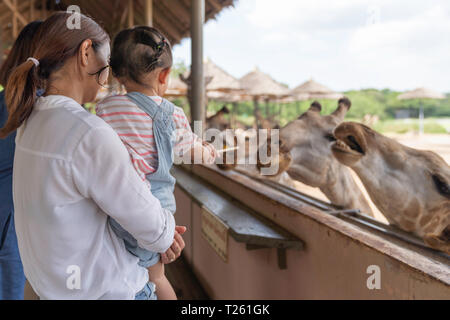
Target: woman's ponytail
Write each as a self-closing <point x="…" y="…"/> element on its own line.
<point x="20" y="96"/>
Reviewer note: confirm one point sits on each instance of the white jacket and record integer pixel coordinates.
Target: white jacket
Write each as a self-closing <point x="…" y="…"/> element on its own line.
<point x="70" y="172"/>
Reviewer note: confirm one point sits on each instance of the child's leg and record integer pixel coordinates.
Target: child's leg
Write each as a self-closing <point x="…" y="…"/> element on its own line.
<point x="164" y="289"/>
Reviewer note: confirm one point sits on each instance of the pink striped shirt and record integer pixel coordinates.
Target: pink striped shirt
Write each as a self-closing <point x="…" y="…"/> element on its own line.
<point x="135" y="129"/>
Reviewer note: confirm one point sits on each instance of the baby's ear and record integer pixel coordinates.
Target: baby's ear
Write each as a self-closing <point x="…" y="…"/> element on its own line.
<point x="164" y="76"/>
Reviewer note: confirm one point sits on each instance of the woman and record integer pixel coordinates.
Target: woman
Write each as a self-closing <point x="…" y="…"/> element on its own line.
<point x="71" y="172"/>
<point x="12" y="279"/>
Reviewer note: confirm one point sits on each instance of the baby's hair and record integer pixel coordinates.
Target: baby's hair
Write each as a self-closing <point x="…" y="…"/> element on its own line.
<point x="139" y="51"/>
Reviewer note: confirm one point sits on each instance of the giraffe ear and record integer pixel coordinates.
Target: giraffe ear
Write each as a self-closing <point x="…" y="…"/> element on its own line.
<point x="315" y="107"/>
<point x="344" y="105"/>
<point x="225" y="110"/>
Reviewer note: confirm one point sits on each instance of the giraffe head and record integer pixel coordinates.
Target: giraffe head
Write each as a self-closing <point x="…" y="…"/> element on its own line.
<point x="410" y="187"/>
<point x="304" y="143"/>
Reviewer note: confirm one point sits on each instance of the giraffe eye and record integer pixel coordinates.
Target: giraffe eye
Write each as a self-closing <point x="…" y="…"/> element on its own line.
<point x="330" y="137"/>
<point x="442" y="186"/>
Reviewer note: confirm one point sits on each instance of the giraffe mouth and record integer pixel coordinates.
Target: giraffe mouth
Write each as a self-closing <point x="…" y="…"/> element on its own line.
<point x="349" y="145"/>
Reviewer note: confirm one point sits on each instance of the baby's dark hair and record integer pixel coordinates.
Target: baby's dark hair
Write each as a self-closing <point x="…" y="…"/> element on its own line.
<point x="138" y="51"/>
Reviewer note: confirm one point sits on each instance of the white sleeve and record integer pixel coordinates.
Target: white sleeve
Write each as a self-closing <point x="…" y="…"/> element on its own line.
<point x="102" y="171"/>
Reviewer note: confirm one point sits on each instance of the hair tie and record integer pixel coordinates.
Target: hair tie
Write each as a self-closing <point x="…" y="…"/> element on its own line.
<point x="35" y="61"/>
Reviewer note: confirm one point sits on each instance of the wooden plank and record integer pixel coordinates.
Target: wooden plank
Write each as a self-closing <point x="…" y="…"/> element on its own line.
<point x="245" y="226"/>
<point x="215" y="232"/>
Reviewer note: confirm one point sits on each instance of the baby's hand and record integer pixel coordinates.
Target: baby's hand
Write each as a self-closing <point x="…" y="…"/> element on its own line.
<point x="206" y="150"/>
<point x="177" y="247"/>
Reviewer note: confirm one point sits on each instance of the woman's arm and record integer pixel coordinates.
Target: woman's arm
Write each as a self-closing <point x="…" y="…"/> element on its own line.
<point x="102" y="171"/>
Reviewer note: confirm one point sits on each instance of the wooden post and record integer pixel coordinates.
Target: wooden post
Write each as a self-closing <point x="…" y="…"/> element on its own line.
<point x="44" y="9"/>
<point x="31" y="10"/>
<point x="149" y="13"/>
<point x="234" y="114"/>
<point x="130" y="14"/>
<point x="256" y="110"/>
<point x="197" y="77"/>
<point x="14" y="22"/>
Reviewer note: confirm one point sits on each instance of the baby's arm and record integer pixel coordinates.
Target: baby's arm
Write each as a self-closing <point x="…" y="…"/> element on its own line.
<point x="188" y="142"/>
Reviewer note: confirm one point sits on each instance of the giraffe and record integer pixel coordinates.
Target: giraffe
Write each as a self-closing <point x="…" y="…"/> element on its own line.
<point x="265" y="123"/>
<point x="410" y="187"/>
<point x="305" y="154"/>
<point x="218" y="120"/>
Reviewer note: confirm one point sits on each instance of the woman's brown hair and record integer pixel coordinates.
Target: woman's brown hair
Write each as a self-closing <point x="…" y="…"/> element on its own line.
<point x="55" y="44"/>
<point x="22" y="49"/>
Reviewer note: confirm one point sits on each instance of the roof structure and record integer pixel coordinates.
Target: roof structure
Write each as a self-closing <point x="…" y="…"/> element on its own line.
<point x="260" y="84"/>
<point x="221" y="80"/>
<point x="177" y="88"/>
<point x="172" y="17"/>
<point x="314" y="90"/>
<point x="421" y="93"/>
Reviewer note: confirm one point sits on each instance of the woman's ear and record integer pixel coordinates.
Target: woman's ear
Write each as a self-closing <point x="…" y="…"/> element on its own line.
<point x="84" y="52"/>
<point x="164" y="76"/>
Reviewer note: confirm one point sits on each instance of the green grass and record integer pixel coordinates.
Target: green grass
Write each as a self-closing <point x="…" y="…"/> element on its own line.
<point x="409" y="125"/>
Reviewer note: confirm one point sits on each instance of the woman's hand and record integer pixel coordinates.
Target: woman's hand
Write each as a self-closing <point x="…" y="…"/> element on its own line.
<point x="177" y="247"/>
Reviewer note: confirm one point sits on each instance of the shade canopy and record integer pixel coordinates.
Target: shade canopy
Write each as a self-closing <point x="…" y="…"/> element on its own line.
<point x="172" y="17"/>
<point x="421" y="93"/>
<point x="177" y="88"/>
<point x="221" y="80"/>
<point x="314" y="90"/>
<point x="227" y="96"/>
<point x="261" y="85"/>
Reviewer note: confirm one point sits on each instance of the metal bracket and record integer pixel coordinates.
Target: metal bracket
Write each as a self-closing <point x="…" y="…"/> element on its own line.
<point x="281" y="254"/>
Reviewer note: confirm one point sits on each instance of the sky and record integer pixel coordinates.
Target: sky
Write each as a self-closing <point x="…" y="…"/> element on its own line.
<point x="344" y="44"/>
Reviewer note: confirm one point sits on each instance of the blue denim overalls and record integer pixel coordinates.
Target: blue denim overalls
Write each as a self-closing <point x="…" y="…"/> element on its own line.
<point x="162" y="183"/>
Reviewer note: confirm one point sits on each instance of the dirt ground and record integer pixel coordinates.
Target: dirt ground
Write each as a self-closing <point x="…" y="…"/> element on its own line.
<point x="439" y="143"/>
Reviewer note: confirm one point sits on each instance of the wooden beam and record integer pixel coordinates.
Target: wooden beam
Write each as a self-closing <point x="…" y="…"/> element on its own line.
<point x="17" y="14"/>
<point x="149" y="13"/>
<point x="7" y="14"/>
<point x="130" y="14"/>
<point x="15" y="30"/>
<point x="32" y="10"/>
<point x="123" y="18"/>
<point x="167" y="14"/>
<point x="44" y="9"/>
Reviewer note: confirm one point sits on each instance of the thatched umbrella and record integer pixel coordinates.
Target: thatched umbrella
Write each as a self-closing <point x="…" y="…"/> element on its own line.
<point x="421" y="93"/>
<point x="177" y="88"/>
<point x="223" y="86"/>
<point x="260" y="85"/>
<point x="219" y="84"/>
<point x="314" y="90"/>
<point x="221" y="81"/>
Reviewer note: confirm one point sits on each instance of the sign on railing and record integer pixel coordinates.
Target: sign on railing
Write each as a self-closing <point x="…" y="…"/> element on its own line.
<point x="216" y="233"/>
